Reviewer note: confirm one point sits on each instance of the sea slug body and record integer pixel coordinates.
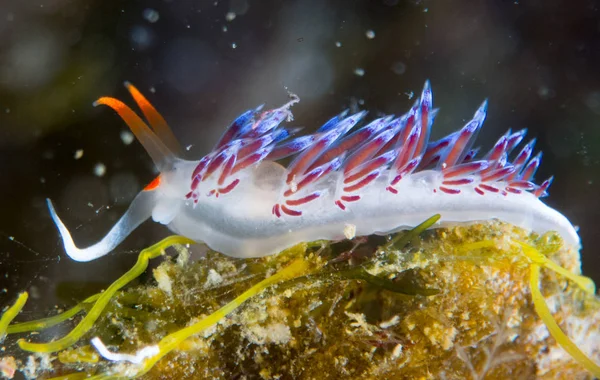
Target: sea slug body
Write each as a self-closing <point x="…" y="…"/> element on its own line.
<point x="382" y="177"/>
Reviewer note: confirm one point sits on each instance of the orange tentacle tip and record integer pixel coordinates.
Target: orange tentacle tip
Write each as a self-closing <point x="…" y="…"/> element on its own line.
<point x="153" y="185"/>
<point x="108" y="101"/>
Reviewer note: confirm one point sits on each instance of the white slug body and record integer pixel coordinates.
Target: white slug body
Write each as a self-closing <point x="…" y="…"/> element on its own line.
<point x="242" y="224"/>
<point x="376" y="179"/>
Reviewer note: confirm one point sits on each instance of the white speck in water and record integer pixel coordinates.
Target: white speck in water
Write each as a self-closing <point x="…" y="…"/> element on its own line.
<point x="78" y="154"/>
<point x="99" y="169"/>
<point x="42" y="180"/>
<point x="189" y="147"/>
<point x="233" y="45"/>
<point x="153" y="90"/>
<point x="224" y="29"/>
<point x="359" y="72"/>
<point x="546" y="93"/>
<point x="151" y="15"/>
<point x="7" y="110"/>
<point x="410" y="95"/>
<point x="338" y="44"/>
<point x="141" y="37"/>
<point x="370" y="34"/>
<point x="399" y="67"/>
<point x="230" y="16"/>
<point x="127" y="137"/>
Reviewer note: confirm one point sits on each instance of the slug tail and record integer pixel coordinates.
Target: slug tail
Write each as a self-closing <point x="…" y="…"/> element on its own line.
<point x="139" y="210"/>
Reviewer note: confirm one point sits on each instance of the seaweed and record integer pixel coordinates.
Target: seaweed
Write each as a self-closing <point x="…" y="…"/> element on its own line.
<point x="454" y="303"/>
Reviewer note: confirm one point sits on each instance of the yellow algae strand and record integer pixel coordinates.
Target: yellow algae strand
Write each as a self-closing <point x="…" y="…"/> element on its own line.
<point x="585" y="283"/>
<point x="87" y="322"/>
<point x="44" y="323"/>
<point x="544" y="313"/>
<point x="11" y="313"/>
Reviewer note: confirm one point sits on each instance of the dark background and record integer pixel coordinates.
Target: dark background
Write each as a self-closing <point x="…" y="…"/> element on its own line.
<point x="537" y="61"/>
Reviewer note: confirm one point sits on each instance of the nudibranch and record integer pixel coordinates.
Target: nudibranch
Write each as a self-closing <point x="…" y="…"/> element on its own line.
<point x="343" y="180"/>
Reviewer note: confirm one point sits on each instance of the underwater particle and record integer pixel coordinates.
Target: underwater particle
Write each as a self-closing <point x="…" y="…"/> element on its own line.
<point x="78" y="154"/>
<point x="230" y="16"/>
<point x="399" y="67"/>
<point x="151" y="15"/>
<point x="338" y="44"/>
<point x="127" y="137"/>
<point x="34" y="292"/>
<point x="546" y="93"/>
<point x="224" y="28"/>
<point x="141" y="37"/>
<point x="99" y="169"/>
<point x="370" y="34"/>
<point x="233" y="45"/>
<point x="359" y="71"/>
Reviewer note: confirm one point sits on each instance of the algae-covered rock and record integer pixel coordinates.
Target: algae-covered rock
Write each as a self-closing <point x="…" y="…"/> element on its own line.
<point x="453" y="303"/>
